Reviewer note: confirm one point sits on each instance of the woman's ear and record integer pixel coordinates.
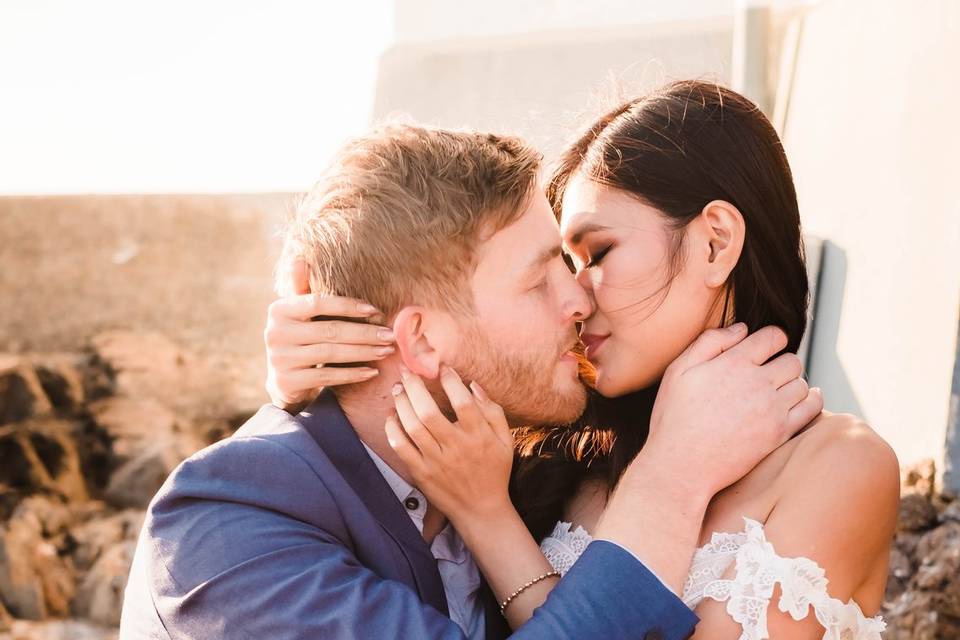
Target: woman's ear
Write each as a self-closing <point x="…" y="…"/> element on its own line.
<point x="724" y="231"/>
<point x="412" y="331"/>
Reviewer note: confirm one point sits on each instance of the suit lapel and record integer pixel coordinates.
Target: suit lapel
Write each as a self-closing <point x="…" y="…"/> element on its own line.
<point x="327" y="424"/>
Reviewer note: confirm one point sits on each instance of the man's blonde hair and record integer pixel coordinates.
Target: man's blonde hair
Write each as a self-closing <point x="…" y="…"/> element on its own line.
<point x="397" y="217"/>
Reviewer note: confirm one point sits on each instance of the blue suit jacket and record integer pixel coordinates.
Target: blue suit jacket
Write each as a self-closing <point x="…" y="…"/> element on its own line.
<point x="288" y="530"/>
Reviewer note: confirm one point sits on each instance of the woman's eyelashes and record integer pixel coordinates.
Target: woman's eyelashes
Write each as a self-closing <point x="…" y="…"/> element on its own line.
<point x="595" y="259"/>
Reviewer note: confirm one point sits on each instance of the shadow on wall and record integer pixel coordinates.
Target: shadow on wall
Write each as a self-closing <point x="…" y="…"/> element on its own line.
<point x="824" y="368"/>
<point x="951" y="476"/>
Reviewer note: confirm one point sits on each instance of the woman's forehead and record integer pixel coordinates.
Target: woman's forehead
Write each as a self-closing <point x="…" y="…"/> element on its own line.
<point x="589" y="207"/>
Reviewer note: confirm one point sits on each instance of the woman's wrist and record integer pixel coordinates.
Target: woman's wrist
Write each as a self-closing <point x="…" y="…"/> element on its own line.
<point x="656" y="517"/>
<point x="482" y="521"/>
<point x="657" y="473"/>
<point x="510" y="558"/>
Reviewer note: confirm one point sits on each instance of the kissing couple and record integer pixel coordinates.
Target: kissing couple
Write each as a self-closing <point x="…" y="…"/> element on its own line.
<point x="472" y="468"/>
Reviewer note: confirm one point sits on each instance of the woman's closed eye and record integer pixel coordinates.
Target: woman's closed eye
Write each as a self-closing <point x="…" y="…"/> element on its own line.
<point x="595" y="259"/>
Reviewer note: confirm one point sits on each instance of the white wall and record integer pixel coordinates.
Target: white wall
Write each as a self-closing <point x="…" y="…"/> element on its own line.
<point x="870" y="132"/>
<point x="545" y="84"/>
<point x="425" y="20"/>
<point x="873" y="140"/>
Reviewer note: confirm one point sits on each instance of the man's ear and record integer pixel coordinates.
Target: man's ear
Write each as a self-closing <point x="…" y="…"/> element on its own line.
<point x="723" y="231"/>
<point x="412" y="329"/>
<point x="299" y="277"/>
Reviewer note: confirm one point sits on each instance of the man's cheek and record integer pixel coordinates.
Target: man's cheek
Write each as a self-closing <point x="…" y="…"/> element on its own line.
<point x="502" y="328"/>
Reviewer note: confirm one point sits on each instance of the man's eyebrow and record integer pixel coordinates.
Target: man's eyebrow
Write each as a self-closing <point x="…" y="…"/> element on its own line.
<point x="584" y="229"/>
<point x="544" y="256"/>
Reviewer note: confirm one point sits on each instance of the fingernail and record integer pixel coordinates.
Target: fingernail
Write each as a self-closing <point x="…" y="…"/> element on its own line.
<point x="404" y="372"/>
<point x="367" y="308"/>
<point x="385" y="351"/>
<point x="397" y="389"/>
<point x="385" y="334"/>
<point x="372" y="372"/>
<point x="478" y="390"/>
<point x="738" y="327"/>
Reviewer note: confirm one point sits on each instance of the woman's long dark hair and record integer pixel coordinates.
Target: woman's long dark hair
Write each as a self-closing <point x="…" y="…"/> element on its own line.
<point x="676" y="149"/>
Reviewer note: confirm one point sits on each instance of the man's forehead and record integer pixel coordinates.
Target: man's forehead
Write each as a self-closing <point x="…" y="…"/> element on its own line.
<point x="535" y="231"/>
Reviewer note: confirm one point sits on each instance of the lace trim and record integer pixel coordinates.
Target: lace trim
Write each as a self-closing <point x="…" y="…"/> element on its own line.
<point x="563" y="546"/>
<point x="759" y="569"/>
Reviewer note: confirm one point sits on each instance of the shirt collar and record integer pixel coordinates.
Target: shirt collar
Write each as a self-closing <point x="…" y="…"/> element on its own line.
<point x="400" y="487"/>
<point x="448" y="545"/>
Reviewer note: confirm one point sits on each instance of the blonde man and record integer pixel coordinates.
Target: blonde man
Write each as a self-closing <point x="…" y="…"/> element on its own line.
<point x="309" y="526"/>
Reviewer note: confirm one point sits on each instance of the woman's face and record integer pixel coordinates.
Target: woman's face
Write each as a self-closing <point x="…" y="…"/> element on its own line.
<point x="622" y="250"/>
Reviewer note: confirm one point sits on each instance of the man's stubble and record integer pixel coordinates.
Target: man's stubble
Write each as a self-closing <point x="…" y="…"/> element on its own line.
<point x="522" y="382"/>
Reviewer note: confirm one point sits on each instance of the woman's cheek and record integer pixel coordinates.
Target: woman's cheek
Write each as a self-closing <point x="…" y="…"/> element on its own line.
<point x="618" y="285"/>
<point x="605" y="295"/>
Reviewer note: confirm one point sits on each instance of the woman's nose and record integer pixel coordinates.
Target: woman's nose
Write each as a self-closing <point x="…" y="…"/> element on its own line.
<point x="584" y="280"/>
<point x="582" y="303"/>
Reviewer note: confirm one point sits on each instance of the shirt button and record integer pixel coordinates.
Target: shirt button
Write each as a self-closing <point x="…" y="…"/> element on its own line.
<point x="654" y="635"/>
<point x="412" y="504"/>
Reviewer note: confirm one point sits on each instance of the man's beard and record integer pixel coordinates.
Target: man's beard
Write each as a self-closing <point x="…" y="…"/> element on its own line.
<point x="523" y="383"/>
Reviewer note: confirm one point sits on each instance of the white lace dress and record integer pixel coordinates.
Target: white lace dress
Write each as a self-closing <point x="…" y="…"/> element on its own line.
<point x="758" y="570"/>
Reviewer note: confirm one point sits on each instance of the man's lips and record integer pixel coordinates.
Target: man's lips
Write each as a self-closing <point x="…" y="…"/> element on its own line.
<point x="571" y="353"/>
<point x="592" y="342"/>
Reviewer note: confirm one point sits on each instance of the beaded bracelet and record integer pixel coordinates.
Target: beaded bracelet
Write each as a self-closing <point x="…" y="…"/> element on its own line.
<point x="506" y="603"/>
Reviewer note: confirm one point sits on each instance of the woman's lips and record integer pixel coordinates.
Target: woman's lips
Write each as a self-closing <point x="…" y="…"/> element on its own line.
<point x="592" y="343"/>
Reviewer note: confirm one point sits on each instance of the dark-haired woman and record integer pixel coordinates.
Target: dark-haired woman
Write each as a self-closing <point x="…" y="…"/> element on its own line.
<point x="679" y="214"/>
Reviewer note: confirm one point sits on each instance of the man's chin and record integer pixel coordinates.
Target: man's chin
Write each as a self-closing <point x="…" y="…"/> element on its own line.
<point x="567" y="405"/>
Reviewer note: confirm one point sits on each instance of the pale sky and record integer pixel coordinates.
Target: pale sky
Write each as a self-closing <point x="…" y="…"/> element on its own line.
<point x="127" y="96"/>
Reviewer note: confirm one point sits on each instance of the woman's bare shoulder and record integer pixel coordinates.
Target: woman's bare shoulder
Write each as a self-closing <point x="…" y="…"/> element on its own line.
<point x="843" y="450"/>
<point x="833" y="435"/>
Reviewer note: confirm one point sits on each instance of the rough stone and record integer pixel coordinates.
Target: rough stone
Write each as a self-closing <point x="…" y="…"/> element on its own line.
<point x="132" y="352"/>
<point x="939" y="570"/>
<point x="901" y="569"/>
<point x="917" y="513"/>
<point x="92" y="537"/>
<point x="62" y="379"/>
<point x="100" y="595"/>
<point x="148" y="365"/>
<point x="136" y="482"/>
<point x="16" y="472"/>
<point x="53" y="514"/>
<point x="21" y="394"/>
<point x="907" y="542"/>
<point x="919" y="479"/>
<point x="41" y="455"/>
<point x="111" y="423"/>
<point x="133" y="423"/>
<point x="951" y="512"/>
<point x="58" y="630"/>
<point x="5" y="618"/>
<point x="914" y="617"/>
<point x="35" y="581"/>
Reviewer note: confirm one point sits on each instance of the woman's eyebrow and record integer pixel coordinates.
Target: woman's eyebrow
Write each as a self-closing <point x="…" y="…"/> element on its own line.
<point x="583" y="230"/>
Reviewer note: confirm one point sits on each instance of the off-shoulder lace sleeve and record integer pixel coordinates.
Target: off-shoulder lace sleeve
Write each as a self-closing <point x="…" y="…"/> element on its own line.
<point x="759" y="569"/>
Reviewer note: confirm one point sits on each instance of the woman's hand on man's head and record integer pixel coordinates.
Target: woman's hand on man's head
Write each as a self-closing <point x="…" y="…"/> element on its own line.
<point x="310" y="337"/>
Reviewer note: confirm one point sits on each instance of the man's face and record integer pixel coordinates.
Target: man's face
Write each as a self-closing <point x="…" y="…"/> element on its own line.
<point x="527" y="303"/>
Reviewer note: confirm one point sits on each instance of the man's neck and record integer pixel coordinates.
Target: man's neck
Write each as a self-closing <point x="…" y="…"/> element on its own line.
<point x="367" y="410"/>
